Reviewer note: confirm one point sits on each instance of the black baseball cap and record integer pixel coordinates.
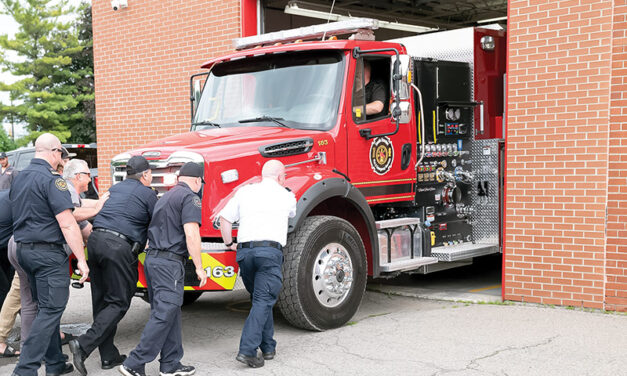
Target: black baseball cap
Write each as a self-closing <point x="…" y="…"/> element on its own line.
<point x="192" y="169"/>
<point x="136" y="165"/>
<point x="3" y="155"/>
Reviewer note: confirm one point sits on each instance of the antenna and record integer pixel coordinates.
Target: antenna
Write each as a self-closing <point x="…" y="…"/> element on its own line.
<point x="329" y="19"/>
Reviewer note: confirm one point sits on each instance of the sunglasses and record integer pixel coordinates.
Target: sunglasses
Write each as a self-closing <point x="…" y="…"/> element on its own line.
<point x="57" y="149"/>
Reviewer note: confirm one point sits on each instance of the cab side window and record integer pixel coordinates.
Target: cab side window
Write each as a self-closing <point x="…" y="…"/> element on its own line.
<point x="371" y="89"/>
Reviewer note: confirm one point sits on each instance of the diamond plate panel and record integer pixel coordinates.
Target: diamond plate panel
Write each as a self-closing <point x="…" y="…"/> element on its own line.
<point x="451" y="45"/>
<point x="486" y="209"/>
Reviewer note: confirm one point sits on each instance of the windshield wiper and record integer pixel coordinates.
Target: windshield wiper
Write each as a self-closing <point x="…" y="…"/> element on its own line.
<point x="264" y="118"/>
<point x="206" y="122"/>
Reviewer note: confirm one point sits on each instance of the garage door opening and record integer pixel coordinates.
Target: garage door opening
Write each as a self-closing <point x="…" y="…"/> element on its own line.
<point x="434" y="15"/>
<point x="471" y="279"/>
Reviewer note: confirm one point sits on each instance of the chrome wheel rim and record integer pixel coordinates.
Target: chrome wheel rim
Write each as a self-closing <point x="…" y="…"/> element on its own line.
<point x="332" y="275"/>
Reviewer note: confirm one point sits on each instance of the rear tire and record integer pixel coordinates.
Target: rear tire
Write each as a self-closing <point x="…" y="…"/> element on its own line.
<point x="324" y="274"/>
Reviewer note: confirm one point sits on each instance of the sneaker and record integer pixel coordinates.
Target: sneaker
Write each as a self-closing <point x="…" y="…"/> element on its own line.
<point x="251" y="361"/>
<point x="129" y="372"/>
<point x="181" y="371"/>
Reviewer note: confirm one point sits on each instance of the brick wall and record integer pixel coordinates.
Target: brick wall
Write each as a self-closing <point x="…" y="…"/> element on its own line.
<point x="564" y="190"/>
<point x="143" y="57"/>
<point x="616" y="249"/>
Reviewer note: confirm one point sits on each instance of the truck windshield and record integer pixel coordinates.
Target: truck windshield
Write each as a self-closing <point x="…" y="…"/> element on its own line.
<point x="292" y="89"/>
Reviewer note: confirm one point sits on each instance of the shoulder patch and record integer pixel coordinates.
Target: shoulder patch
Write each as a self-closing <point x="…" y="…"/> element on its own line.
<point x="197" y="202"/>
<point x="60" y="184"/>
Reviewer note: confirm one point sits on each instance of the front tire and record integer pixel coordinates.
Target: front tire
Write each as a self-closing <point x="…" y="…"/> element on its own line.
<point x="324" y="274"/>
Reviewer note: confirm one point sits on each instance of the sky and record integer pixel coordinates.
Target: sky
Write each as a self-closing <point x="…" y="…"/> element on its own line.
<point x="10" y="27"/>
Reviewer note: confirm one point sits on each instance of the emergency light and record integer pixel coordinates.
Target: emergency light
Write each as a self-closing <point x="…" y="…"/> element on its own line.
<point x="308" y="32"/>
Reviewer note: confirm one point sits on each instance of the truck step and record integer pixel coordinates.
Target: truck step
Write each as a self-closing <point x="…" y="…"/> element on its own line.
<point x="397" y="222"/>
<point x="464" y="251"/>
<point x="407" y="264"/>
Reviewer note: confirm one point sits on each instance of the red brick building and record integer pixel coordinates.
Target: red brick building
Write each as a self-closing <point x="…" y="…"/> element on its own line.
<point x="566" y="191"/>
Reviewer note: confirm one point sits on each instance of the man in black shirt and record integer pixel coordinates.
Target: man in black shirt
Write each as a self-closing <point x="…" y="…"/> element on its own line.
<point x="119" y="231"/>
<point x="375" y="93"/>
<point x="173" y="235"/>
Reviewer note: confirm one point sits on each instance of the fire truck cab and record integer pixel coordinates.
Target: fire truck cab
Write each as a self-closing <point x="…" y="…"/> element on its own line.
<point x="416" y="188"/>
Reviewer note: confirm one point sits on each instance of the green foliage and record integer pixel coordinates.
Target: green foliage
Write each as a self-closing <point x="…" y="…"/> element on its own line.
<point x="6" y="143"/>
<point x="55" y="91"/>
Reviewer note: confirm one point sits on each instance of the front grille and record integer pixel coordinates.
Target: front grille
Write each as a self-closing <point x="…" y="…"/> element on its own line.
<point x="284" y="149"/>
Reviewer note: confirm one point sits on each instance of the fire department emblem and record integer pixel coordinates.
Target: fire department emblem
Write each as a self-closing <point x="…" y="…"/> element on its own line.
<point x="61" y="184"/>
<point x="381" y="155"/>
<point x="197" y="202"/>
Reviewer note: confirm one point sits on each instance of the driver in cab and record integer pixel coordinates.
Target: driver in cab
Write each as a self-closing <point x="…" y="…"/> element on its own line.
<point x="375" y="93"/>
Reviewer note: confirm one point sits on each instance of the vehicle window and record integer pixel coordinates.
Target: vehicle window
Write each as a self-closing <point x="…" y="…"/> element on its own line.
<point x="24" y="159"/>
<point x="298" y="89"/>
<point x="89" y="155"/>
<point x="371" y="89"/>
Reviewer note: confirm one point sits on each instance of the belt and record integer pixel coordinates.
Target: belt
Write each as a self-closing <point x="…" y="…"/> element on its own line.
<point x="166" y="255"/>
<point x="121" y="236"/>
<point x="40" y="245"/>
<point x="264" y="243"/>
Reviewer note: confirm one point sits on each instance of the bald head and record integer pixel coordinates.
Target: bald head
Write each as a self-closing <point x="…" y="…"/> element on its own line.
<point x="47" y="141"/>
<point x="48" y="148"/>
<point x="274" y="170"/>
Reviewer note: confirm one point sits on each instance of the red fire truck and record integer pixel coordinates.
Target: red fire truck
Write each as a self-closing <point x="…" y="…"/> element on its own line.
<point x="415" y="188"/>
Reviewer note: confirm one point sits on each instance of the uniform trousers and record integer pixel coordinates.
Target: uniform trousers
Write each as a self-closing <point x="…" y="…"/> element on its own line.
<point x="6" y="274"/>
<point x="163" y="331"/>
<point x="47" y="268"/>
<point x="113" y="277"/>
<point x="260" y="269"/>
<point x="20" y="298"/>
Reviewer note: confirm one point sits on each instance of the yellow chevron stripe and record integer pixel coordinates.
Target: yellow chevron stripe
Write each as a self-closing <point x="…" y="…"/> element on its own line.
<point x="225" y="282"/>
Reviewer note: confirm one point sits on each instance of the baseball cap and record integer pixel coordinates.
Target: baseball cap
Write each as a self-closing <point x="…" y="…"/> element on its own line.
<point x="192" y="169"/>
<point x="3" y="155"/>
<point x="136" y="164"/>
<point x="65" y="154"/>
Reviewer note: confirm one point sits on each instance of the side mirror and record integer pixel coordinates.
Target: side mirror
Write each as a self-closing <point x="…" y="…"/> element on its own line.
<point x="402" y="69"/>
<point x="196" y="85"/>
<point x="403" y="111"/>
<point x="197" y="94"/>
<point x="396" y="76"/>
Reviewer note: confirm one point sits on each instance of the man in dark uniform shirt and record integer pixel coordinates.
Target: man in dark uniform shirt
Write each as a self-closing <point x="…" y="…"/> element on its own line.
<point x="119" y="233"/>
<point x="174" y="235"/>
<point x="375" y="93"/>
<point x="42" y="222"/>
<point x="7" y="173"/>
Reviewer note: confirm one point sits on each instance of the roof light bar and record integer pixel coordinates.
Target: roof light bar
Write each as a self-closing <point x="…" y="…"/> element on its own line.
<point x="308" y="32"/>
<point x="293" y="8"/>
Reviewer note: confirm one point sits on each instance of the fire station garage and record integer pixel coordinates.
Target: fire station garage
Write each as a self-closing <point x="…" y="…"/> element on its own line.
<point x="545" y="110"/>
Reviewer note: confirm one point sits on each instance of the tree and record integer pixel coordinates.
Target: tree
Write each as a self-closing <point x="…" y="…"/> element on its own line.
<point x="6" y="143"/>
<point x="84" y="131"/>
<point x="56" y="84"/>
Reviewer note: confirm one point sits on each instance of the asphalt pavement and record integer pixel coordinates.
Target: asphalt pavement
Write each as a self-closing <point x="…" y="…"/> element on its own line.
<point x="389" y="335"/>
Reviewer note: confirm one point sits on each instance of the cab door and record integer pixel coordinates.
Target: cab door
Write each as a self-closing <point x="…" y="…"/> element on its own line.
<point x="382" y="167"/>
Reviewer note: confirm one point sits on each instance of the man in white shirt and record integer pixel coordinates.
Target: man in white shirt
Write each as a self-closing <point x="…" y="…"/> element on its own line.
<point x="262" y="210"/>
